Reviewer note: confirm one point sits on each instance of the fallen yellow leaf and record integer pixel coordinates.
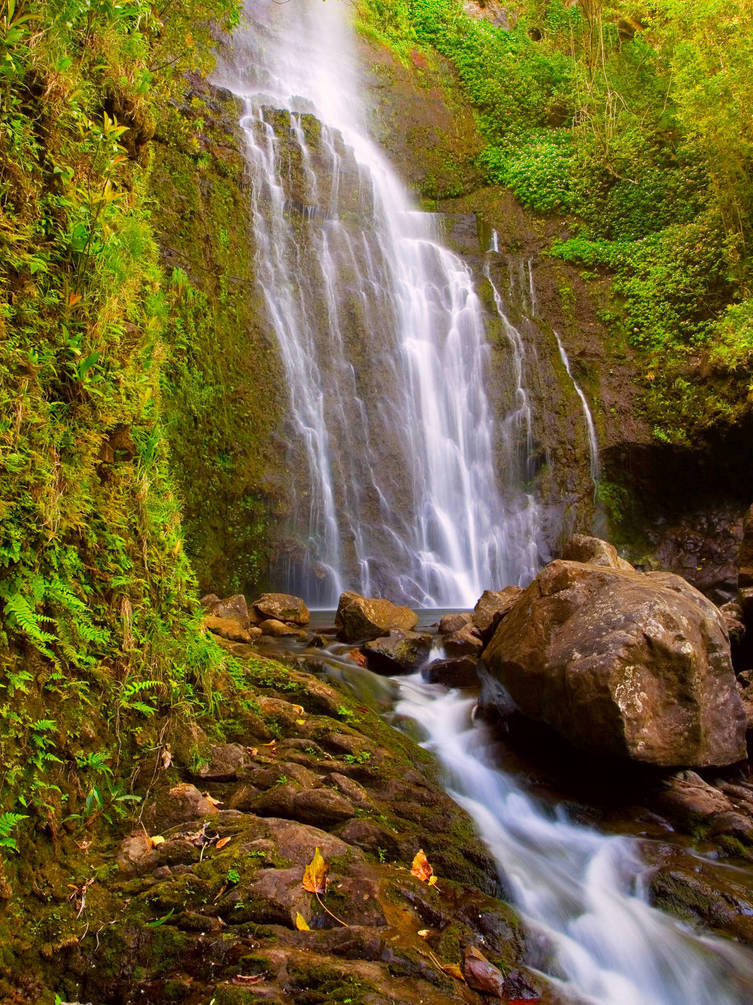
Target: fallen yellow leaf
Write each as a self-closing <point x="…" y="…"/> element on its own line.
<point x="432" y="880"/>
<point x="421" y="868"/>
<point x="424" y="932"/>
<point x="222" y="842"/>
<point x="157" y="840"/>
<point x="453" y="970"/>
<point x="300" y="923"/>
<point x="315" y="874"/>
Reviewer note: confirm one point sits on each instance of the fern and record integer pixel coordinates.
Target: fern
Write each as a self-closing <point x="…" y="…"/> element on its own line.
<point x="21" y="614"/>
<point x="8" y="823"/>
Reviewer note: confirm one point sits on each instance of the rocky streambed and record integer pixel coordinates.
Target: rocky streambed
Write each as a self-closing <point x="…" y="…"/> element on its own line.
<point x="562" y="868"/>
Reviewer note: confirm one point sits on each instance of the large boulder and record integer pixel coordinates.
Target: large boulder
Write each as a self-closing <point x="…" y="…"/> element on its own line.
<point x="282" y="607"/>
<point x="623" y="664"/>
<point x="398" y="652"/>
<point x="359" y="618"/>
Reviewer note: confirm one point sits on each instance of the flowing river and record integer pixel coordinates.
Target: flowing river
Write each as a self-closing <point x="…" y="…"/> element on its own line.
<point x="398" y="487"/>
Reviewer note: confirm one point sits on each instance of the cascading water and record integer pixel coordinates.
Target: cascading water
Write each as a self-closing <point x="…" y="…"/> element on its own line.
<point x="593" y="442"/>
<point x="381" y="335"/>
<point x="582" y="892"/>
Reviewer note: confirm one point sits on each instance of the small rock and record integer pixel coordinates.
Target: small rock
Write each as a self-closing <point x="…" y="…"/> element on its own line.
<point x="222" y="762"/>
<point x="460" y="672"/>
<point x="232" y="607"/>
<point x="466" y="642"/>
<point x="452" y="623"/>
<point x="732" y="613"/>
<point x="399" y="652"/>
<point x="687" y="796"/>
<point x="136" y="853"/>
<point x="278" y="629"/>
<point x="361" y="618"/>
<point x="322" y="807"/>
<point x="209" y="601"/>
<point x="491" y="607"/>
<point x="282" y="607"/>
<point x="230" y="628"/>
<point x="481" y="975"/>
<point x="180" y="804"/>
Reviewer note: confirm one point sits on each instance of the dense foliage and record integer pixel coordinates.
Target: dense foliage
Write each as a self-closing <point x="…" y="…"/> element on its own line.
<point x="96" y="594"/>
<point x="638" y="124"/>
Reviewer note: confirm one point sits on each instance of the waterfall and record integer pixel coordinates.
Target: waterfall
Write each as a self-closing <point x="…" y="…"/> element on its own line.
<point x="397" y="483"/>
<point x="593" y="443"/>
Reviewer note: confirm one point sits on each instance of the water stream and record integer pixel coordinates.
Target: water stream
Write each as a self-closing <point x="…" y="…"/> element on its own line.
<point x="398" y="485"/>
<point x="593" y="442"/>
<point x="582" y="892"/>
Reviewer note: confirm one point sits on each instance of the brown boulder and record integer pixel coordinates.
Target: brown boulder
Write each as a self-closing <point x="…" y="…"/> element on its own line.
<point x="230" y="628"/>
<point x="491" y="607"/>
<point x="398" y="652"/>
<point x="278" y="629"/>
<point x="359" y="618"/>
<point x="623" y="664"/>
<point x="459" y="672"/>
<point x="466" y="642"/>
<point x="229" y="607"/>
<point x="594" y="551"/>
<point x="282" y="607"/>
<point x="452" y="623"/>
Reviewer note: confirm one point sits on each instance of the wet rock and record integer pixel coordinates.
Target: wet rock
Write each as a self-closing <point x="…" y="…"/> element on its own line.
<point x="322" y="807"/>
<point x="687" y="797"/>
<point x="230" y="607"/>
<point x="494" y="703"/>
<point x="282" y="607"/>
<point x="466" y="642"/>
<point x="745" y="690"/>
<point x="136" y="853"/>
<point x="209" y="601"/>
<point x="732" y="613"/>
<point x="623" y="664"/>
<point x="594" y="551"/>
<point x="459" y="672"/>
<point x="351" y="788"/>
<point x="231" y="629"/>
<point x="296" y="841"/>
<point x="481" y="975"/>
<point x="278" y="801"/>
<point x="178" y="805"/>
<point x="221" y="763"/>
<point x="398" y="652"/>
<point x="491" y="607"/>
<point x="452" y="623"/>
<point x="278" y="629"/>
<point x="371" y="836"/>
<point x="362" y="618"/>
<point x="745" y="553"/>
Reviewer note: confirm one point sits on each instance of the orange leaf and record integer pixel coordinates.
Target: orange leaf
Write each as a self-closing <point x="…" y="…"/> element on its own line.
<point x="300" y="923"/>
<point x="453" y="970"/>
<point x="424" y="933"/>
<point x="421" y="868"/>
<point x="73" y="299"/>
<point x="315" y="874"/>
<point x="222" y="842"/>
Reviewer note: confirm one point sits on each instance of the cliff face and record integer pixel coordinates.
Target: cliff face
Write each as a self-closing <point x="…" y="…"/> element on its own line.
<point x="223" y="388"/>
